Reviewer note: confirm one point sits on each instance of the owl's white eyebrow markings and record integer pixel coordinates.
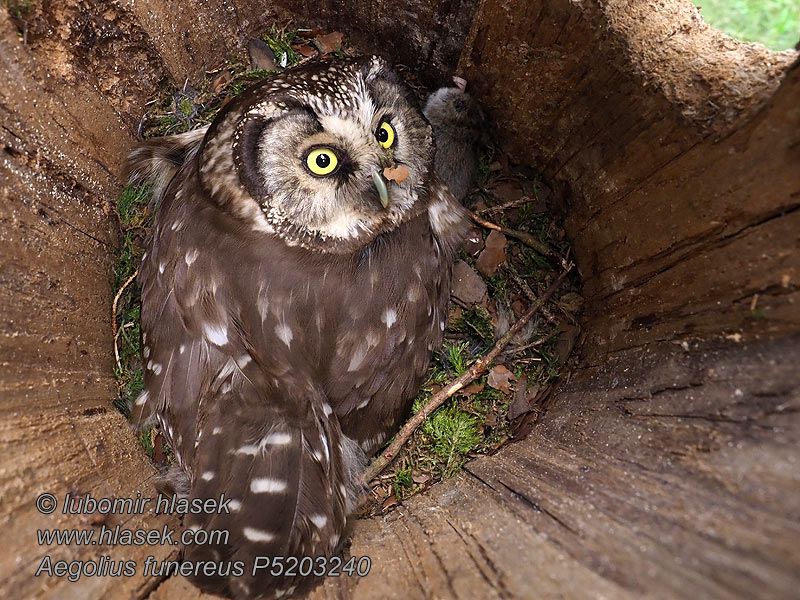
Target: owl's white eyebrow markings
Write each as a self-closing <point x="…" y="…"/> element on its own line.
<point x="258" y="535"/>
<point x="319" y="520"/>
<point x="207" y="476"/>
<point x="284" y="332"/>
<point x="267" y="485"/>
<point x="216" y="334"/>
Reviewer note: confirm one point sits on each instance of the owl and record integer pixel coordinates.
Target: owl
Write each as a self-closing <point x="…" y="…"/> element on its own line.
<point x="292" y="297"/>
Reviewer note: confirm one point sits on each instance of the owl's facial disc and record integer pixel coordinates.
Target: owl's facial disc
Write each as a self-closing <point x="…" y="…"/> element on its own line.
<point x="313" y="144"/>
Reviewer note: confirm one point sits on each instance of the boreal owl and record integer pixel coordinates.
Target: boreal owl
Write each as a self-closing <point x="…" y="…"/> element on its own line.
<point x="292" y="297"/>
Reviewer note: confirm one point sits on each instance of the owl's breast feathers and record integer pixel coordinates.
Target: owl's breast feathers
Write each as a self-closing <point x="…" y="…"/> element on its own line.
<point x="252" y="346"/>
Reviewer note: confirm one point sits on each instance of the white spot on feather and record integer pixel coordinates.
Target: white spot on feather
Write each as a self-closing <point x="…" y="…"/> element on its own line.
<point x="358" y="357"/>
<point x="141" y="399"/>
<point x="216" y="334"/>
<point x="319" y="521"/>
<point x="191" y="256"/>
<point x="234" y="505"/>
<point x="284" y="333"/>
<point x="267" y="485"/>
<point x="389" y="317"/>
<point x="258" y="535"/>
<point x="207" y="476"/>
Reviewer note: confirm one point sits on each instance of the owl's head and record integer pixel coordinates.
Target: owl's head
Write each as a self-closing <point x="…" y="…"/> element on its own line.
<point x="303" y="154"/>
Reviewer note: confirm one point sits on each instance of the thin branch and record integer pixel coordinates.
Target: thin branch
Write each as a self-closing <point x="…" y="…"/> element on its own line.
<point x="523" y="236"/>
<point x="526" y="290"/>
<point x="510" y="204"/>
<point x="449" y="389"/>
<point x="114" y="314"/>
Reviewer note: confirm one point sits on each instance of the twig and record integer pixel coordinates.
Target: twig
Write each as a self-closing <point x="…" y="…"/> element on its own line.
<point x="522" y="236"/>
<point x="448" y="390"/>
<point x="526" y="290"/>
<point x="510" y="204"/>
<point x="114" y="314"/>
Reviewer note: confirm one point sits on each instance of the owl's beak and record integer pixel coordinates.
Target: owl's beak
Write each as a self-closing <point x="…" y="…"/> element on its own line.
<point x="383" y="191"/>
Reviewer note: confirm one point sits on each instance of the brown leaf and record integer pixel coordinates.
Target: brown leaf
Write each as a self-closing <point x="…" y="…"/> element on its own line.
<point x="221" y="81"/>
<point x="493" y="255"/>
<point x="467" y="285"/>
<point x="389" y="502"/>
<point x="398" y="173"/>
<point x="500" y="378"/>
<point x="304" y="49"/>
<point x="508" y="191"/>
<point x="471" y="390"/>
<point x="521" y="403"/>
<point x="330" y="42"/>
<point x="420" y="478"/>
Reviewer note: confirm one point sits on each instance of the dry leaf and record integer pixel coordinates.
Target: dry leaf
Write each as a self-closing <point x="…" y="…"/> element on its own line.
<point x="221" y="81"/>
<point x="420" y="478"/>
<point x="471" y="389"/>
<point x="330" y="42"/>
<point x="493" y="255"/>
<point x="500" y="378"/>
<point x="398" y="173"/>
<point x="304" y="49"/>
<point x="389" y="502"/>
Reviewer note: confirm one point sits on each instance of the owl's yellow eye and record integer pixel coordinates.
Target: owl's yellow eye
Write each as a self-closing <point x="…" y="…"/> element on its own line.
<point x="385" y="135"/>
<point x="322" y="161"/>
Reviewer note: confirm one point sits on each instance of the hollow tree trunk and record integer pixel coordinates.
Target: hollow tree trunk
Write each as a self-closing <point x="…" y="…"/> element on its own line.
<point x="666" y="464"/>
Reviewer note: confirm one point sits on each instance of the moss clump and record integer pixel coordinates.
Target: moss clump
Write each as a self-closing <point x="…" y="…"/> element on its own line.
<point x="280" y="42"/>
<point x="135" y="219"/>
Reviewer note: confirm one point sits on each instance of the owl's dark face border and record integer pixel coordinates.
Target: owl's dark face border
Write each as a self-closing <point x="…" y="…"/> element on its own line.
<point x="269" y="130"/>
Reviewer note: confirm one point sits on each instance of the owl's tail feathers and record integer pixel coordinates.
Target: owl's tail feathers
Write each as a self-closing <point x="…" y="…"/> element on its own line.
<point x="286" y="483"/>
<point x="156" y="161"/>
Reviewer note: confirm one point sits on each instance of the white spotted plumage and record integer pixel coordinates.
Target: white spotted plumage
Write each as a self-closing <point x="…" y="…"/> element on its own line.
<point x="289" y="318"/>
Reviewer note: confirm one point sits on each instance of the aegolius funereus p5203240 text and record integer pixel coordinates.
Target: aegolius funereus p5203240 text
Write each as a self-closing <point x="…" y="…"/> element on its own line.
<point x="292" y="297"/>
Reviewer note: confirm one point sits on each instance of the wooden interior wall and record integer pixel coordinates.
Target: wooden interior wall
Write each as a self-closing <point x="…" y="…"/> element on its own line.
<point x="665" y="464"/>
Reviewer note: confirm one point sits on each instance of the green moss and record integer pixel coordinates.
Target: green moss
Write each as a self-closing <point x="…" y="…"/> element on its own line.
<point x="457" y="356"/>
<point x="452" y="434"/>
<point x="402" y="482"/>
<point x="280" y="42"/>
<point x="476" y="322"/>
